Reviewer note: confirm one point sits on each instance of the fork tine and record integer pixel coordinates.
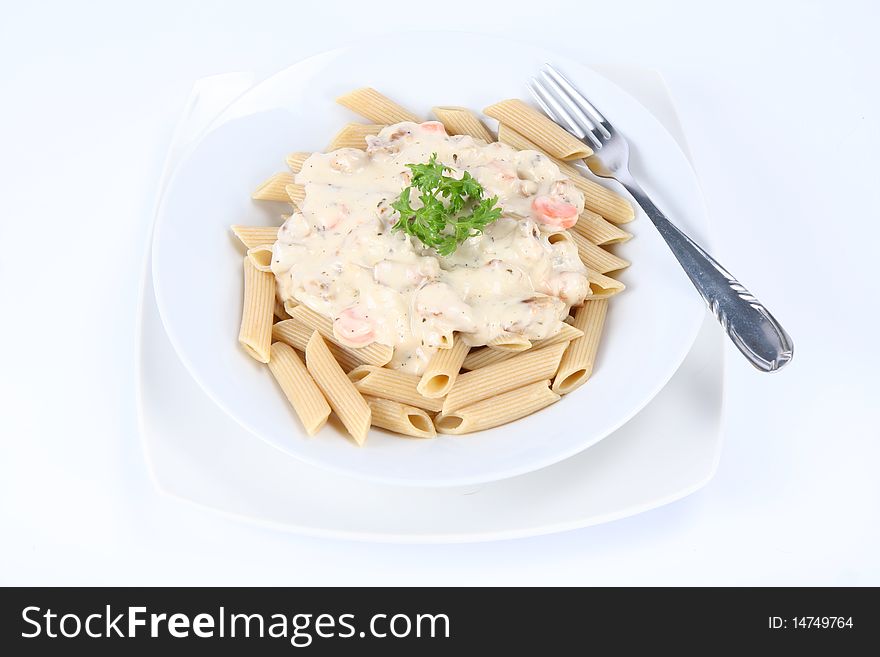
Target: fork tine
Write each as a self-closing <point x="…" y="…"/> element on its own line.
<point x="556" y="111"/>
<point x="572" y="105"/>
<point x="559" y="113"/>
<point x="540" y="100"/>
<point x="579" y="99"/>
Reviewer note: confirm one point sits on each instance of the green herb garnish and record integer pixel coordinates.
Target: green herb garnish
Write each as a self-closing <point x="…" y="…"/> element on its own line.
<point x="444" y="225"/>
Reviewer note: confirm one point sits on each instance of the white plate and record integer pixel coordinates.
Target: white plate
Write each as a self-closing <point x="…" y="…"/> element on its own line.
<point x="196" y="263"/>
<point x="198" y="454"/>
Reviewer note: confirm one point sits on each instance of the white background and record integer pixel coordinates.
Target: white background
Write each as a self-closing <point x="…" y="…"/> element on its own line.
<point x="779" y="101"/>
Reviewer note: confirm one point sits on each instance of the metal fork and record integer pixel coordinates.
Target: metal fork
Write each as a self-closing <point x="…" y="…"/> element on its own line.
<point x="747" y="322"/>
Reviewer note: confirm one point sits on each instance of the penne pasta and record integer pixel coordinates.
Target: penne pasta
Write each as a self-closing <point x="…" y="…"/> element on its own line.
<point x="295" y="161"/>
<point x="348" y="404"/>
<point x="280" y="312"/>
<point x="261" y="256"/>
<point x="392" y="384"/>
<point x="354" y="135"/>
<point x="603" y="286"/>
<point x="255" y="333"/>
<point x="512" y="138"/>
<point x="298" y="386"/>
<point x="296" y="194"/>
<point x="296" y="334"/>
<point x="568" y="169"/>
<point x="536" y="127"/>
<point x="273" y="188"/>
<point x="603" y="201"/>
<point x="509" y="136"/>
<point x="461" y="389"/>
<point x="597" y="198"/>
<point x="515" y="372"/>
<point x="442" y="370"/>
<point x="493" y="412"/>
<point x="598" y="230"/>
<point x="400" y="418"/>
<point x="511" y="343"/>
<point x="576" y="365"/>
<point x="372" y="105"/>
<point x="289" y="305"/>
<point x="461" y="121"/>
<point x="252" y="236"/>
<point x="484" y="356"/>
<point x="562" y="236"/>
<point x="374" y="354"/>
<point x="595" y="257"/>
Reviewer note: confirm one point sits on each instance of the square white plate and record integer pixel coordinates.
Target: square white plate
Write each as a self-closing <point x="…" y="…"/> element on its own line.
<point x="197" y="453"/>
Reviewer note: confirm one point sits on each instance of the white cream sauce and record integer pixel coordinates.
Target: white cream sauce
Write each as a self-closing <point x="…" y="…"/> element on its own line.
<point x="340" y="257"/>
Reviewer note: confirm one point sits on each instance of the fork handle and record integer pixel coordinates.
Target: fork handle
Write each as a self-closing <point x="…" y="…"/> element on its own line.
<point x="750" y="326"/>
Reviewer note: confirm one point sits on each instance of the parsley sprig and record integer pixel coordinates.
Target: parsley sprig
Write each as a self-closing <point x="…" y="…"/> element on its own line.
<point x="444" y="225"/>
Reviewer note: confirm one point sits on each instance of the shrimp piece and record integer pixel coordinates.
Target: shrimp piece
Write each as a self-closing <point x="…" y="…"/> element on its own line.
<point x="433" y="126"/>
<point x="554" y="211"/>
<point x="353" y="328"/>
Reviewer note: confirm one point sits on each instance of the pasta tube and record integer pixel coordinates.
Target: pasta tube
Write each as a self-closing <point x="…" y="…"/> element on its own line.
<point x="400" y="418"/>
<point x="495" y="411"/>
<point x="599" y="230"/>
<point x="577" y="362"/>
<point x="289" y="305"/>
<point x="536" y="127"/>
<point x="354" y="135"/>
<point x="273" y="188"/>
<point x="295" y="161"/>
<point x="261" y="256"/>
<point x="296" y="194"/>
<point x="343" y="397"/>
<point x="597" y="258"/>
<point x="298" y="386"/>
<point x="560" y="236"/>
<point x="603" y="286"/>
<point x="511" y="342"/>
<point x="252" y="236"/>
<point x="461" y="121"/>
<point x="280" y="312"/>
<point x="442" y="370"/>
<point x="255" y="333"/>
<point x="374" y="106"/>
<point x="297" y="334"/>
<point x="373" y="354"/>
<point x="515" y="372"/>
<point x="487" y="356"/>
<point x="392" y="384"/>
